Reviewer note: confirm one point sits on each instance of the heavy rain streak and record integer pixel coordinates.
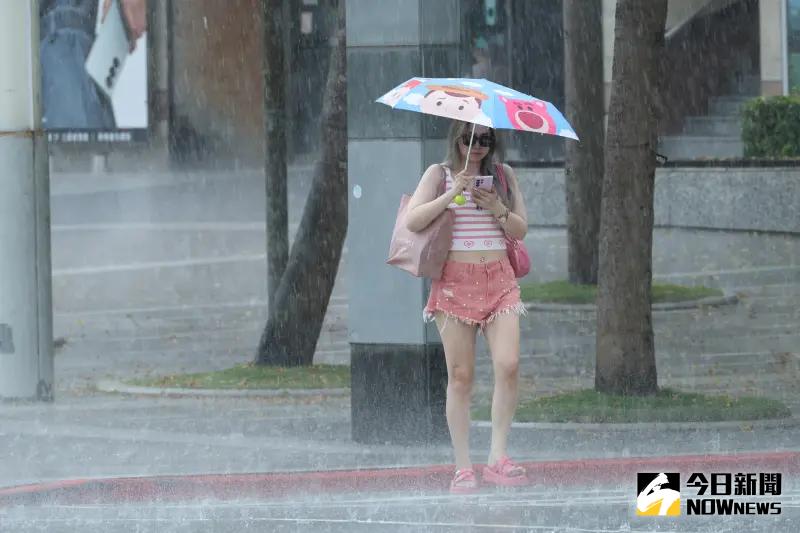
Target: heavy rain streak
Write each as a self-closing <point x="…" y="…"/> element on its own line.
<point x="399" y="266"/>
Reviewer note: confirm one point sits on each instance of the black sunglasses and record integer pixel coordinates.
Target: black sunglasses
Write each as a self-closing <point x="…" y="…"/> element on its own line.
<point x="486" y="140"/>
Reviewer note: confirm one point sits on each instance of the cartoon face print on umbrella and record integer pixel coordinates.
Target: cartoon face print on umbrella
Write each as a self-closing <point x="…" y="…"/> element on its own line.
<point x="397" y="94"/>
<point x="529" y="115"/>
<point x="453" y="101"/>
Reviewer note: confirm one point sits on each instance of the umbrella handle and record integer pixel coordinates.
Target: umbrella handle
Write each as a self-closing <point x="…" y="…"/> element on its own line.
<point x="469" y="149"/>
<point x="459" y="199"/>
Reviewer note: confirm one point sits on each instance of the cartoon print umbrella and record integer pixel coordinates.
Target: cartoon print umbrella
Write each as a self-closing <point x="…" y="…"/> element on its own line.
<point x="479" y="101"/>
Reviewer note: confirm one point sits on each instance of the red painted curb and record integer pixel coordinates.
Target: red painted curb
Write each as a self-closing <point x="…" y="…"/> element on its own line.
<point x="428" y="478"/>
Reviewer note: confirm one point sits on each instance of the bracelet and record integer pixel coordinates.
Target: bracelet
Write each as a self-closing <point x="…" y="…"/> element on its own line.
<point x="504" y="217"/>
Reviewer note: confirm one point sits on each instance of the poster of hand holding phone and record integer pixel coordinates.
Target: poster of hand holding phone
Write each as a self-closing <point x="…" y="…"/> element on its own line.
<point x="94" y="69"/>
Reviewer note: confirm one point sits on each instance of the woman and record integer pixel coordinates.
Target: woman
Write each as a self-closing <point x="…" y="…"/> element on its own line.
<point x="477" y="290"/>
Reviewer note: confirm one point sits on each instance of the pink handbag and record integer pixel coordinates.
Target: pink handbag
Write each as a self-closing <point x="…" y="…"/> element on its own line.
<point x="421" y="253"/>
<point x="517" y="253"/>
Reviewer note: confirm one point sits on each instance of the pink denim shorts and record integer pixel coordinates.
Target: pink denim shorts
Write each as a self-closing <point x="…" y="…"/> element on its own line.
<point x="475" y="293"/>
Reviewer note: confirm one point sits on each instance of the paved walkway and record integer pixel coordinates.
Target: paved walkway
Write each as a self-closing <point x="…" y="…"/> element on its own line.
<point x="160" y="291"/>
<point x="583" y="480"/>
<point x="751" y="347"/>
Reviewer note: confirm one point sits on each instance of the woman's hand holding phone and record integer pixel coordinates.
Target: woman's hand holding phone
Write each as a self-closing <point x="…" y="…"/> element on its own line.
<point x="484" y="182"/>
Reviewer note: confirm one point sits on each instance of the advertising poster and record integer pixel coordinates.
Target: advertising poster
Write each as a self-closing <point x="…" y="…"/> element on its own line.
<point x="94" y="70"/>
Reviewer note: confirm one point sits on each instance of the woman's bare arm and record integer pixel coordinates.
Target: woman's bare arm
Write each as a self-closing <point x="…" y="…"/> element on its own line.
<point x="426" y="204"/>
<point x="516" y="225"/>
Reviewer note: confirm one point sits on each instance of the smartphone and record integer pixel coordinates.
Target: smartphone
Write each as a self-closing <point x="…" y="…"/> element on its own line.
<point x="109" y="51"/>
<point x="484" y="182"/>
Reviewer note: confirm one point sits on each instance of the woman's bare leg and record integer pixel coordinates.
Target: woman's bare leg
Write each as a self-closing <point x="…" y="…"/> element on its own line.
<point x="459" y="350"/>
<point x="502" y="335"/>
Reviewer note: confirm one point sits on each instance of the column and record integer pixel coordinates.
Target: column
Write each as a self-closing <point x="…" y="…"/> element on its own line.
<point x="26" y="335"/>
<point x="773" y="35"/>
<point x="398" y="369"/>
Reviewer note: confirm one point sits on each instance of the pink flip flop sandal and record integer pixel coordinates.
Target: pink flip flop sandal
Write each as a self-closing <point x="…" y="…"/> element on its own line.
<point x="505" y="473"/>
<point x="464" y="482"/>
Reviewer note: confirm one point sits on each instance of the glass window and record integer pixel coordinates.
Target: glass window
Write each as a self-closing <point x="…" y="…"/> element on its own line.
<point x="519" y="44"/>
<point x="486" y="36"/>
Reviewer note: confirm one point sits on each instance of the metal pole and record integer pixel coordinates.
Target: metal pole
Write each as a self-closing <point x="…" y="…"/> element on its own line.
<point x="26" y="323"/>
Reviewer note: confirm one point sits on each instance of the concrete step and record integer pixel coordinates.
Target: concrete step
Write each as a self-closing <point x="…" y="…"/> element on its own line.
<point x="766" y="386"/>
<point x="748" y="86"/>
<point x="111" y="246"/>
<point x="731" y="279"/>
<point x="178" y="359"/>
<point x="713" y="126"/>
<point x="158" y="286"/>
<point x="138" y="327"/>
<point x="332" y="357"/>
<point x="766" y="312"/>
<point x="681" y="147"/>
<point x="791" y="290"/>
<point x="677" y="341"/>
<point x="746" y="343"/>
<point x="728" y="105"/>
<point x="234" y="339"/>
<point x="165" y="285"/>
<point x="574" y="361"/>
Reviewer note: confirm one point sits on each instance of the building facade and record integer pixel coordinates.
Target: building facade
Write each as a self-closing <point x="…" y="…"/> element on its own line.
<point x="719" y="53"/>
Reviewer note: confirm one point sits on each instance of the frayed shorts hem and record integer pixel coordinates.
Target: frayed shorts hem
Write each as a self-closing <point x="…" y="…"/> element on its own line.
<point x="429" y="315"/>
<point x="517" y="308"/>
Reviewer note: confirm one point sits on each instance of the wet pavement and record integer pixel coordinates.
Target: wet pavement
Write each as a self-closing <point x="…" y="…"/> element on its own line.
<point x="606" y="509"/>
<point x="108" y="435"/>
<point x="163" y="274"/>
<point x="162" y="277"/>
<point x="111" y="437"/>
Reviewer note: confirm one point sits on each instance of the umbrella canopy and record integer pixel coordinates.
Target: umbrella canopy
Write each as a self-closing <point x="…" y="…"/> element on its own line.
<point x="479" y="101"/>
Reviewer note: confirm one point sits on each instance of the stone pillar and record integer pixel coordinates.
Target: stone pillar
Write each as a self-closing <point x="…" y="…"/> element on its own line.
<point x="398" y="369"/>
<point x="773" y="46"/>
<point x="26" y="311"/>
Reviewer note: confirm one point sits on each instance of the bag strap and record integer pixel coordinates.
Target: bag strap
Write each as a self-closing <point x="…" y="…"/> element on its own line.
<point x="501" y="174"/>
<point x="442" y="184"/>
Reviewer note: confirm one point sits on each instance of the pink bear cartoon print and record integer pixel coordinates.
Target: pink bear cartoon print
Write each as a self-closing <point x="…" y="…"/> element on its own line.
<point x="529" y="115"/>
<point x="395" y="95"/>
<point x="453" y="101"/>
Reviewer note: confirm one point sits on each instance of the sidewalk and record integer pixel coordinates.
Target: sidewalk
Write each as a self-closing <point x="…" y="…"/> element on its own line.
<point x="103" y="462"/>
<point x="752" y="347"/>
<point x="167" y="281"/>
<point x="111" y="463"/>
<point x="101" y="435"/>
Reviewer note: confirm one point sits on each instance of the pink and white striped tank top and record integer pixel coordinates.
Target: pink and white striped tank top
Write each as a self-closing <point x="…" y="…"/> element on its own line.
<point x="474" y="228"/>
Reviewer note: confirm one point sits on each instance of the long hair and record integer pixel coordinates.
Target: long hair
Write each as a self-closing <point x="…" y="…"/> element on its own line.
<point x="488" y="164"/>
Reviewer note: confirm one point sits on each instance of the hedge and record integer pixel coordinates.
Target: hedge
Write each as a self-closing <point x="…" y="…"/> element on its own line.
<point x="771" y="127"/>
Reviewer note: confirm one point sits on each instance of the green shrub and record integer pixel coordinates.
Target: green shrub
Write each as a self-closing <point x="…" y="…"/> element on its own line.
<point x="771" y="127"/>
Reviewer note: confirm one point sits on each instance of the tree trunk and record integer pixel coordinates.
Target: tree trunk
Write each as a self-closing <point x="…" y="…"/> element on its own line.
<point x="625" y="352"/>
<point x="291" y="333"/>
<point x="275" y="143"/>
<point x="585" y="105"/>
